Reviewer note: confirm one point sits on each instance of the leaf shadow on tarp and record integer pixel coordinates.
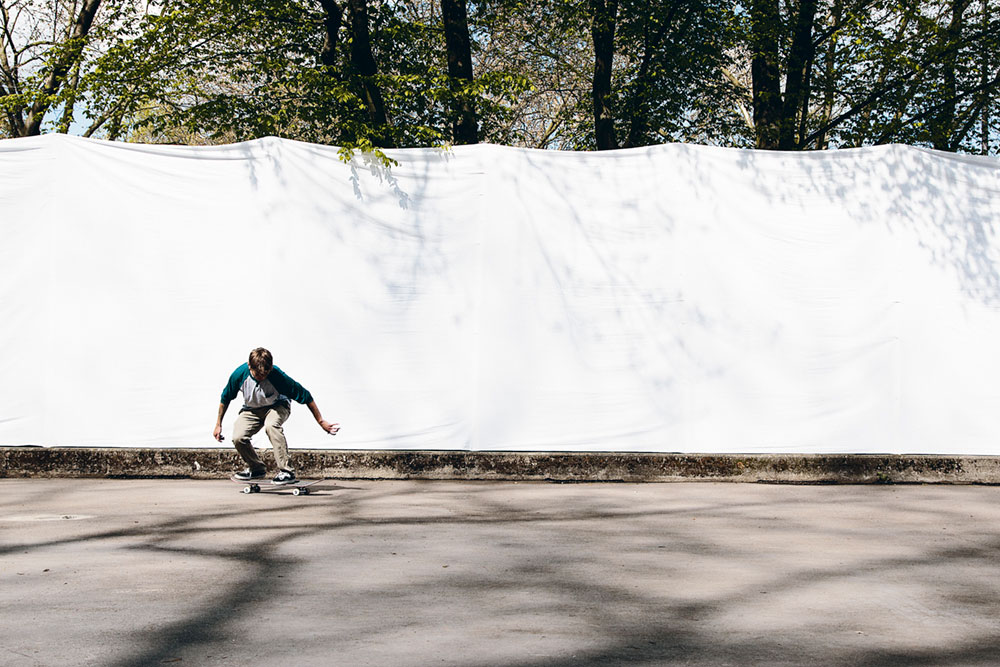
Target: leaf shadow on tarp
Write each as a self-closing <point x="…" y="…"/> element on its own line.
<point x="566" y="579"/>
<point x="397" y="242"/>
<point x="619" y="275"/>
<point x="943" y="205"/>
<point x="381" y="172"/>
<point x="948" y="203"/>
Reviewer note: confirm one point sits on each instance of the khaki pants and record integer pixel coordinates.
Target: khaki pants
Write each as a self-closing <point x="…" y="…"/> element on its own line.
<point x="249" y="422"/>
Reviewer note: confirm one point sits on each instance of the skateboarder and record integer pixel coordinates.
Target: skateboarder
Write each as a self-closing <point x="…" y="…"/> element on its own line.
<point x="266" y="394"/>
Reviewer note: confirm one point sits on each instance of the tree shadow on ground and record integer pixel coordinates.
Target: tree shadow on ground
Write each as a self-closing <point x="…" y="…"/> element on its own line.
<point x="589" y="578"/>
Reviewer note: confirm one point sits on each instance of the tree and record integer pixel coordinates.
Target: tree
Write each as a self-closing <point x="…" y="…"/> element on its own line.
<point x="576" y="74"/>
<point x="459" y="46"/>
<point x="357" y="73"/>
<point x="222" y="68"/>
<point x="669" y="85"/>
<point x="43" y="47"/>
<point x="542" y="51"/>
<point x="364" y="64"/>
<point x="801" y="52"/>
<point x="609" y="73"/>
<point x="603" y="22"/>
<point x="870" y="71"/>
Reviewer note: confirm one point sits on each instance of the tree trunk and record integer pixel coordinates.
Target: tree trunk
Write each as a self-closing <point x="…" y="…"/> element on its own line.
<point x="605" y="14"/>
<point x="639" y="106"/>
<point x="15" y="118"/>
<point x="944" y="122"/>
<point x="364" y="62"/>
<point x="800" y="59"/>
<point x="72" y="88"/>
<point x="333" y="18"/>
<point x="9" y="79"/>
<point x="984" y="126"/>
<point x="459" y="47"/>
<point x="765" y="25"/>
<point x="71" y="53"/>
<point x="830" y="70"/>
<point x="865" y="134"/>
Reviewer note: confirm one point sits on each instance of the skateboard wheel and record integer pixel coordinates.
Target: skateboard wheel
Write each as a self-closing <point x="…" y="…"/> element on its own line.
<point x="255" y="488"/>
<point x="247" y="489"/>
<point x="296" y="492"/>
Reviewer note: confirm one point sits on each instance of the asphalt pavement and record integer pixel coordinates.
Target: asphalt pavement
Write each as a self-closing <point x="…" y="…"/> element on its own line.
<point x="406" y="573"/>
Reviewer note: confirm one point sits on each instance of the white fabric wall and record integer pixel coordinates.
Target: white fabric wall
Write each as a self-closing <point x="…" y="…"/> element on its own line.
<point x="674" y="298"/>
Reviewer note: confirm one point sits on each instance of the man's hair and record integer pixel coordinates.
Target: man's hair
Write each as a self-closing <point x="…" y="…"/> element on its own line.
<point x="261" y="361"/>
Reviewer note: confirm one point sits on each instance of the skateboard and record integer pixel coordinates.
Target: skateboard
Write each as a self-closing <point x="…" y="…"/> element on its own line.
<point x="299" y="487"/>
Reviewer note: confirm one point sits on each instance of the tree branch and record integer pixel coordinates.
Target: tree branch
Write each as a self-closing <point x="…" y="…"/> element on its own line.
<point x="57" y="76"/>
<point x="937" y="107"/>
<point x="881" y="91"/>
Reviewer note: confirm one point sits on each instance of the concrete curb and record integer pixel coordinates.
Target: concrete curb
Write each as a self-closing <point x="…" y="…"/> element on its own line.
<point x="564" y="467"/>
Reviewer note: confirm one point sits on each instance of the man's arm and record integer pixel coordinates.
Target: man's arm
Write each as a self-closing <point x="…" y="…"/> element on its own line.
<point x="289" y="387"/>
<point x="231" y="391"/>
<point x="325" y="425"/>
<point x="218" y="423"/>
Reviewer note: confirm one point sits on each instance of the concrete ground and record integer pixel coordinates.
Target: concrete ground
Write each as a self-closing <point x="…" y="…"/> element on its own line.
<point x="147" y="572"/>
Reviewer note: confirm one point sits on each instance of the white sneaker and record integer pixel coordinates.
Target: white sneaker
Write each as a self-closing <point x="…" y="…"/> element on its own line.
<point x="284" y="477"/>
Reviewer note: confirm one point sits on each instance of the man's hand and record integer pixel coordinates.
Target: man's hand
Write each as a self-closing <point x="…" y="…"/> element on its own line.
<point x="323" y="424"/>
<point x="217" y="434"/>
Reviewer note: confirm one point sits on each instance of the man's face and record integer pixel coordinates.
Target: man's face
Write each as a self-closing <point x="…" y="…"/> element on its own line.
<point x="257" y="375"/>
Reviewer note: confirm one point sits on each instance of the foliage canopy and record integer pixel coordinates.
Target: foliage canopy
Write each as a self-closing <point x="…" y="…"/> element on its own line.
<point x="565" y="74"/>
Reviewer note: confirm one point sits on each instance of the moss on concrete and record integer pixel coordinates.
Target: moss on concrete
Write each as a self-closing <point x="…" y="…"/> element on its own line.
<point x="563" y="467"/>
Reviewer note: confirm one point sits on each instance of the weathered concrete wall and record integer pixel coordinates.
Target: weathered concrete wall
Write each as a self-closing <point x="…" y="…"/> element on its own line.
<point x="581" y="467"/>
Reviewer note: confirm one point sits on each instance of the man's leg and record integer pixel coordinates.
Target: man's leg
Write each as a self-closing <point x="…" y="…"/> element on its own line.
<point x="247" y="424"/>
<point x="276" y="416"/>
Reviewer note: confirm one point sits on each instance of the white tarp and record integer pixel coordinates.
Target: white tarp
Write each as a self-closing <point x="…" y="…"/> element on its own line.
<point x="673" y="298"/>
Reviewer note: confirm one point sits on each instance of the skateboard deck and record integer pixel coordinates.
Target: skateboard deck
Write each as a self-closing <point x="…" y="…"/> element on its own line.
<point x="299" y="487"/>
